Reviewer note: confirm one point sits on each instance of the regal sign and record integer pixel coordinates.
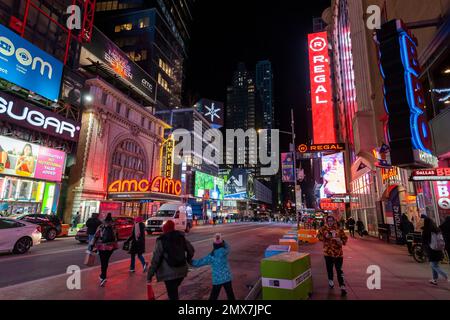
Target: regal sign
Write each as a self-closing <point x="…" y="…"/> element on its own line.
<point x="158" y="184"/>
<point x="26" y="115"/>
<point x="321" y="97"/>
<point x="407" y="128"/>
<point x="338" y="147"/>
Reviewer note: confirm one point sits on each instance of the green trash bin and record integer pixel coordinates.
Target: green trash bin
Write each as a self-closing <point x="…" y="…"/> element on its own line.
<point x="287" y="276"/>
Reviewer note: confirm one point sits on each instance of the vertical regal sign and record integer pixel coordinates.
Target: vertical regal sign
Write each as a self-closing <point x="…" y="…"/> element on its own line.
<point x="407" y="127"/>
<point x="321" y="95"/>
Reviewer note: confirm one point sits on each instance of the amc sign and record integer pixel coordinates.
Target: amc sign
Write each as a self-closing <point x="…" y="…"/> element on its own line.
<point x="158" y="184"/>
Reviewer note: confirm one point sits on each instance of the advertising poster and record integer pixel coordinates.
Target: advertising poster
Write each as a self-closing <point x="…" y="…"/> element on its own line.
<point x="23" y="159"/>
<point x="442" y="194"/>
<point x="209" y="186"/>
<point x="287" y="167"/>
<point x="28" y="66"/>
<point x="333" y="174"/>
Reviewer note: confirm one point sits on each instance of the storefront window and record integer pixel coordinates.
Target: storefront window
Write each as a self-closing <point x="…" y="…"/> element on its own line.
<point x="363" y="202"/>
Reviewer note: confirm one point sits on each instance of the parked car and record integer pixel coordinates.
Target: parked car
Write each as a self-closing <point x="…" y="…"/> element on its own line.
<point x="18" y="236"/>
<point x="123" y="225"/>
<point x="50" y="224"/>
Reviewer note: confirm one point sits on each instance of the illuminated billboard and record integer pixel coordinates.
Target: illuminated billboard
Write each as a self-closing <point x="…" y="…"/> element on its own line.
<point x="287" y="167"/>
<point x="26" y="65"/>
<point x="208" y="187"/>
<point x="321" y="95"/>
<point x="333" y="174"/>
<point x="407" y="128"/>
<point x="23" y="159"/>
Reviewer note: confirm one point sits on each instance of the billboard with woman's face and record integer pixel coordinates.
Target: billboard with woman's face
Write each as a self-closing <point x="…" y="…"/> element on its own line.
<point x="333" y="174"/>
<point x="23" y="159"/>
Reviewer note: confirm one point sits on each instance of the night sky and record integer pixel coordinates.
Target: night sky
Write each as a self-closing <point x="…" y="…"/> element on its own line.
<point x="226" y="32"/>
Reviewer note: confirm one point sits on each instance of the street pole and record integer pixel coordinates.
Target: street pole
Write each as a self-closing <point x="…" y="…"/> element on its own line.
<point x="295" y="169"/>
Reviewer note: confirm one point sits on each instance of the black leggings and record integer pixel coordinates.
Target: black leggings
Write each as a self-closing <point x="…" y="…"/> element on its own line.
<point x="105" y="255"/>
<point x="172" y="288"/>
<point x="216" y="291"/>
<point x="337" y="263"/>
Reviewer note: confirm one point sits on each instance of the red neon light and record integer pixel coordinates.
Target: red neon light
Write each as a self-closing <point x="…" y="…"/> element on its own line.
<point x="321" y="97"/>
<point x="158" y="184"/>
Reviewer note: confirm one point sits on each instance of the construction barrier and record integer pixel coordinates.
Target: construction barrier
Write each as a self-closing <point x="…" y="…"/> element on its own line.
<point x="286" y="276"/>
<point x="64" y="230"/>
<point x="290" y="236"/>
<point x="307" y="235"/>
<point x="276" y="249"/>
<point x="289" y="242"/>
<point x="292" y="232"/>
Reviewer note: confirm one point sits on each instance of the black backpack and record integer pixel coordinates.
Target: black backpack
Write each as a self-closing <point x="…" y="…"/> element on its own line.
<point x="108" y="235"/>
<point x="174" y="247"/>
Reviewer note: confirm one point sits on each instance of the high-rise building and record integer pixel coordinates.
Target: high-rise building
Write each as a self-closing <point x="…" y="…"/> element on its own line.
<point x="154" y="34"/>
<point x="243" y="111"/>
<point x="264" y="84"/>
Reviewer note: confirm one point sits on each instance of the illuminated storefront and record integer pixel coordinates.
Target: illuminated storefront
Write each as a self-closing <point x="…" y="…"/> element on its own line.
<point x="30" y="177"/>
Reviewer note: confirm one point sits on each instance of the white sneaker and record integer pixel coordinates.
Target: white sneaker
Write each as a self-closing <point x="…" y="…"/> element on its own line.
<point x="145" y="267"/>
<point x="131" y="271"/>
<point x="331" y="284"/>
<point x="433" y="282"/>
<point x="343" y="291"/>
<point x="102" y="282"/>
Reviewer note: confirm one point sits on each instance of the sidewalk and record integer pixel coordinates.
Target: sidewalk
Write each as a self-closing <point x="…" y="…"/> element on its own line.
<point x="247" y="250"/>
<point x="401" y="277"/>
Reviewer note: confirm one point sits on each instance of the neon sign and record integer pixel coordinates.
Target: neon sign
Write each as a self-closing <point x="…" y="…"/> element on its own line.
<point x="158" y="184"/>
<point x="321" y="97"/>
<point x="407" y="129"/>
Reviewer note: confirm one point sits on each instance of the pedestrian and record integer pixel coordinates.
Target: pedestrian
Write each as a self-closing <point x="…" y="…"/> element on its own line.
<point x="75" y="220"/>
<point x="445" y="229"/>
<point x="170" y="259"/>
<point x="406" y="227"/>
<point x="221" y="273"/>
<point x="136" y="244"/>
<point x="430" y="231"/>
<point x="92" y="225"/>
<point x="333" y="238"/>
<point x="351" y="226"/>
<point x="105" y="242"/>
<point x="360" y="227"/>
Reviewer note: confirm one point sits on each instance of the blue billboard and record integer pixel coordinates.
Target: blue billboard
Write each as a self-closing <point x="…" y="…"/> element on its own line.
<point x="24" y="64"/>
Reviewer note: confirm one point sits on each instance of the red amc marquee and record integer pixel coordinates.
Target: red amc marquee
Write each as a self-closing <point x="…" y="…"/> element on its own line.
<point x="321" y="94"/>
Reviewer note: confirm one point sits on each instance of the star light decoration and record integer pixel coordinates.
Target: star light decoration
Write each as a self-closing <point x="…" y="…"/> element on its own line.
<point x="212" y="112"/>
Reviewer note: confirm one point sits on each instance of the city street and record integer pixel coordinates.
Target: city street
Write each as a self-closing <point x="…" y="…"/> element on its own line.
<point x="401" y="277"/>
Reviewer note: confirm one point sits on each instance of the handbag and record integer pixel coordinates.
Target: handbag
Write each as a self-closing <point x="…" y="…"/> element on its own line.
<point x="89" y="259"/>
<point x="150" y="292"/>
<point x="126" y="246"/>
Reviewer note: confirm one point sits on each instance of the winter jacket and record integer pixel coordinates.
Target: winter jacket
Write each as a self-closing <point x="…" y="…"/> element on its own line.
<point x="159" y="265"/>
<point x="99" y="245"/>
<point x="221" y="272"/>
<point x="351" y="223"/>
<point x="433" y="255"/>
<point x="331" y="247"/>
<point x="445" y="229"/>
<point x="137" y="246"/>
<point x="92" y="225"/>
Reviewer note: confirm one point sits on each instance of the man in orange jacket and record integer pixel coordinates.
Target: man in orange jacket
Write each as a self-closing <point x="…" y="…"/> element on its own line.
<point x="333" y="238"/>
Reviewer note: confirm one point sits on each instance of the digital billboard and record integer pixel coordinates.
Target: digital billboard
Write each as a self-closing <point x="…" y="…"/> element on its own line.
<point x="287" y="167"/>
<point x="238" y="184"/>
<point x="333" y="174"/>
<point x="207" y="186"/>
<point x="321" y="95"/>
<point x="23" y="159"/>
<point x="26" y="65"/>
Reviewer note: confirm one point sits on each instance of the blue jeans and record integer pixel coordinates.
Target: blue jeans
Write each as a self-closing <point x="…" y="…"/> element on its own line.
<point x="90" y="238"/>
<point x="437" y="270"/>
<point x="133" y="259"/>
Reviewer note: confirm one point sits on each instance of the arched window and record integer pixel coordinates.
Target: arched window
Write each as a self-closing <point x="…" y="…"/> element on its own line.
<point x="127" y="162"/>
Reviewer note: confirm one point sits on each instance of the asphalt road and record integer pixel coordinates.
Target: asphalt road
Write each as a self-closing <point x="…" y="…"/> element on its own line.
<point x="52" y="258"/>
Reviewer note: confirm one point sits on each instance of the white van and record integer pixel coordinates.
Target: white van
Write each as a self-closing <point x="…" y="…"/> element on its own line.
<point x="179" y="213"/>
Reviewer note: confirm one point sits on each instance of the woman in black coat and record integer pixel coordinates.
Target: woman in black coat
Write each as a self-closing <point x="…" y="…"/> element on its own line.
<point x="445" y="229"/>
<point x="137" y="244"/>
<point x="434" y="256"/>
